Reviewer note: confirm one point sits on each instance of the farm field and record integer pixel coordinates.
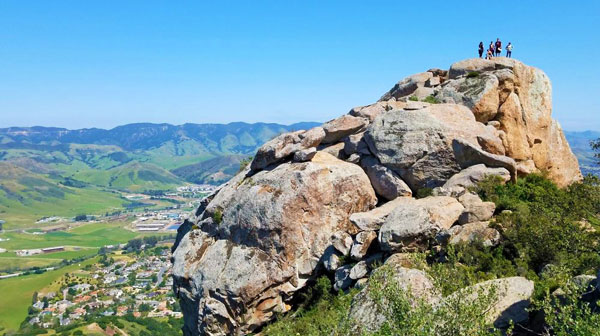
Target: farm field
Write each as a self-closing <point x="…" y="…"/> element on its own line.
<point x="10" y="260"/>
<point x="86" y="235"/>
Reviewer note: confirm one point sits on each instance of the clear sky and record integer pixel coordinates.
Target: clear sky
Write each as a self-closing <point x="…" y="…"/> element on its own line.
<point x="105" y="63"/>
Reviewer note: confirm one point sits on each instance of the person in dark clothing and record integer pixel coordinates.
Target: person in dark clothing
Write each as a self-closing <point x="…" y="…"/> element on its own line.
<point x="491" y="50"/>
<point x="480" y="49"/>
<point x="509" y="48"/>
<point x="498" y="47"/>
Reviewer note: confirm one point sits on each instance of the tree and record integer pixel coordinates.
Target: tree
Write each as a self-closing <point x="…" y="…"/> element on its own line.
<point x="595" y="144"/>
<point x="34" y="298"/>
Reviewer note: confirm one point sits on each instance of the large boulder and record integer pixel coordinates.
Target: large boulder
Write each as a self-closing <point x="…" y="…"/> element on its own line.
<point x="476" y="210"/>
<point x="385" y="181"/>
<point x="509" y="299"/>
<point x="474" y="232"/>
<point x="414" y="223"/>
<point x="373" y="110"/>
<point x="285" y="145"/>
<point x="261" y="239"/>
<point x="373" y="220"/>
<point x="418" y="144"/>
<point x="519" y="98"/>
<point x="479" y="93"/>
<point x="470" y="177"/>
<point x="341" y="127"/>
<point x="407" y="86"/>
<point x="367" y="314"/>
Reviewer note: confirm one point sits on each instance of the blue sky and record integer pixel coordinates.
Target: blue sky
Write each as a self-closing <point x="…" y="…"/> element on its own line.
<point x="104" y="63"/>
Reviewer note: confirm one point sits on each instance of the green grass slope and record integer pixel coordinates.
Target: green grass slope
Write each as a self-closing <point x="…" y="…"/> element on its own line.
<point x="26" y="196"/>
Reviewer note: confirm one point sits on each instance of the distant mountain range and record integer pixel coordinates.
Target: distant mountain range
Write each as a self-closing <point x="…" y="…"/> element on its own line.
<point x="105" y="157"/>
<point x="45" y="169"/>
<point x="238" y="137"/>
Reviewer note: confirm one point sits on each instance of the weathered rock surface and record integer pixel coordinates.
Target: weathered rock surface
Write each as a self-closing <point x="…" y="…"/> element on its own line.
<point x="276" y="150"/>
<point x="475" y="210"/>
<point x="418" y="145"/>
<point x="385" y="181"/>
<point x="342" y="242"/>
<point x="472" y="232"/>
<point x="341" y="127"/>
<point x="470" y="177"/>
<point x="407" y="86"/>
<point x="479" y="93"/>
<point x="362" y="243"/>
<point x="305" y="154"/>
<point x="373" y="110"/>
<point x="512" y="299"/>
<point x="373" y="219"/>
<point x="413" y="223"/>
<point x="519" y="98"/>
<point x="270" y="235"/>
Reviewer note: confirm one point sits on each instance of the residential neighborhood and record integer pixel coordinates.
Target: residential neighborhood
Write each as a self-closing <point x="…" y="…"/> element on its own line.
<point x="119" y="284"/>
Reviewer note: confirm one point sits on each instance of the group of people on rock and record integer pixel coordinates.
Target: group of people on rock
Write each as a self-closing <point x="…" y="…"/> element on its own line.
<point x="495" y="49"/>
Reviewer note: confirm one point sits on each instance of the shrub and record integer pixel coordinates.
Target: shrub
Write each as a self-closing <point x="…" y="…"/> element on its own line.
<point x="245" y="162"/>
<point x="413" y="98"/>
<point x="319" y="314"/>
<point x="473" y="74"/>
<point x="407" y="315"/>
<point x="424" y="192"/>
<point x="567" y="314"/>
<point x="431" y="99"/>
<point x="217" y="216"/>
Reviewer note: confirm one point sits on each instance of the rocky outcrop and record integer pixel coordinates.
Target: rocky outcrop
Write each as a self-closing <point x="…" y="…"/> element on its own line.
<point x="472" y="233"/>
<point x="261" y="238"/>
<point x="413" y="223"/>
<point x="311" y="201"/>
<point x="519" y="97"/>
<point x="418" y="144"/>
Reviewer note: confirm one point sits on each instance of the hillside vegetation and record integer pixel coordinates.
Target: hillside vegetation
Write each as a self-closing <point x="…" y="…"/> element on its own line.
<point x="543" y="239"/>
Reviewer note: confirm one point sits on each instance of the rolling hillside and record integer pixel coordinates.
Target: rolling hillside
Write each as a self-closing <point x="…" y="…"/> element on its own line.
<point x="47" y="171"/>
<point x="26" y="196"/>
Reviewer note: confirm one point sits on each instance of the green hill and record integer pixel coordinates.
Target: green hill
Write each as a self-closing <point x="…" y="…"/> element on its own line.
<point x="26" y="196"/>
<point x="213" y="171"/>
<point x="133" y="176"/>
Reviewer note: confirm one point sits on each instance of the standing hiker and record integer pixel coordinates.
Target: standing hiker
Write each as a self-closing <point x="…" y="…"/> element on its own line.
<point x="480" y="49"/>
<point x="491" y="50"/>
<point x="498" y="47"/>
<point x="509" y="50"/>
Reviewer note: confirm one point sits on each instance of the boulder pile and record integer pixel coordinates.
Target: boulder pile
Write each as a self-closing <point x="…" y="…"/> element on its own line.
<point x="313" y="200"/>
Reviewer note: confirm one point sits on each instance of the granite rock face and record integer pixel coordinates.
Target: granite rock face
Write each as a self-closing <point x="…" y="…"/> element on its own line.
<point x="261" y="238"/>
<point x="338" y="198"/>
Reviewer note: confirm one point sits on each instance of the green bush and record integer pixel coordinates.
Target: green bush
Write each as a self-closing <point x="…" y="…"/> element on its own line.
<point x="473" y="74"/>
<point x="431" y="100"/>
<point x="217" y="216"/>
<point x="407" y="315"/>
<point x="413" y="98"/>
<point x="320" y="313"/>
<point x="424" y="192"/>
<point x="567" y="314"/>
